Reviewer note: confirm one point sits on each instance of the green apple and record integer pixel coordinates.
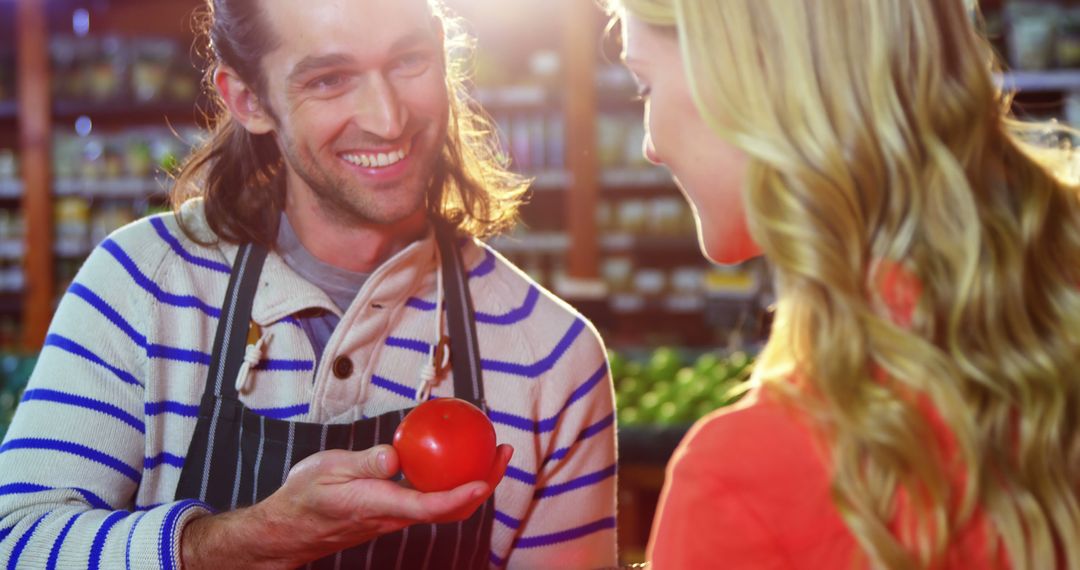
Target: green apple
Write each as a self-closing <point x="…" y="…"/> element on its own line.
<point x="649" y="406"/>
<point x="685" y="377"/>
<point x="706" y="362"/>
<point x="663" y="364"/>
<point x="669" y="413"/>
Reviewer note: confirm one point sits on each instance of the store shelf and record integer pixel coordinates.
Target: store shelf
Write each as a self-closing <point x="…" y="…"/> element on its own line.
<point x="109" y="188"/>
<point x="12" y="248"/>
<point x="630" y="243"/>
<point x="513" y="97"/>
<point x="622" y="178"/>
<point x="550" y="180"/>
<point x="11" y="302"/>
<point x="649" y="444"/>
<point x="626" y="303"/>
<point x="71" y="248"/>
<point x="558" y="242"/>
<point x="547" y="242"/>
<point x="127" y="111"/>
<point x="10" y="189"/>
<point x="1033" y="81"/>
<point x="612" y="180"/>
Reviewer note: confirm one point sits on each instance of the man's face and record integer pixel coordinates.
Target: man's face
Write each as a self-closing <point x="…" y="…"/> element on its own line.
<point x="359" y="97"/>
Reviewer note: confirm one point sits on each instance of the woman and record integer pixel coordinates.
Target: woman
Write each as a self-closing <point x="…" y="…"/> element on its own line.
<point x="916" y="405"/>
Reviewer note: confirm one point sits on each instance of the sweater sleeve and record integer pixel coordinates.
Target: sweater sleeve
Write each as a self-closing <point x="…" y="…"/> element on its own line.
<point x="73" y="458"/>
<point x="571" y="520"/>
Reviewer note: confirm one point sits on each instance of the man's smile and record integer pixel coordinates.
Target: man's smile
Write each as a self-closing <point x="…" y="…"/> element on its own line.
<point x="380" y="158"/>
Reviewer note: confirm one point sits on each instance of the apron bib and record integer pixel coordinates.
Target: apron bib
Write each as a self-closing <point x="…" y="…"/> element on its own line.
<point x="237" y="458"/>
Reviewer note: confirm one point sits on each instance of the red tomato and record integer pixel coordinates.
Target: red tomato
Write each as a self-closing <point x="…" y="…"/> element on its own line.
<point x="445" y="443"/>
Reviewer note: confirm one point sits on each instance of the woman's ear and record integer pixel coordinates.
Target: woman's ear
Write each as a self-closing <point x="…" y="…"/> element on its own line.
<point x="243" y="104"/>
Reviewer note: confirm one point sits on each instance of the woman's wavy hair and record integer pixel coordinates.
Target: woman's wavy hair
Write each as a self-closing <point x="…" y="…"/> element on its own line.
<point x="878" y="137"/>
<point x="240" y="175"/>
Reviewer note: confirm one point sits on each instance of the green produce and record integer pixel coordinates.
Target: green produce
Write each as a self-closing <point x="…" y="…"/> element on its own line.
<point x="706" y="363"/>
<point x="616" y="364"/>
<point x="629" y="416"/>
<point x="649" y="406"/>
<point x="665" y="388"/>
<point x="663" y="364"/>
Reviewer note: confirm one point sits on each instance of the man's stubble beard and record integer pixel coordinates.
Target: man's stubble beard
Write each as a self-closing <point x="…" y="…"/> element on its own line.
<point x="346" y="202"/>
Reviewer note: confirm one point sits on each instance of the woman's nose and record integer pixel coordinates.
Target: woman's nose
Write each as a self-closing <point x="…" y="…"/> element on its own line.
<point x="649" y="150"/>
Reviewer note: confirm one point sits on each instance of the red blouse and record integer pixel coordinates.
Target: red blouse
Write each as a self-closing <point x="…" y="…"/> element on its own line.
<point x="749" y="488"/>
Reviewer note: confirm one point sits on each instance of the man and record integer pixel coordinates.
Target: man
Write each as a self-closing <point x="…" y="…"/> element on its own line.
<point x="219" y="384"/>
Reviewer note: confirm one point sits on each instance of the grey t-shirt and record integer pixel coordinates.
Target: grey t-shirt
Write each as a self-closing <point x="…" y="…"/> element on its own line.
<point x="340" y="285"/>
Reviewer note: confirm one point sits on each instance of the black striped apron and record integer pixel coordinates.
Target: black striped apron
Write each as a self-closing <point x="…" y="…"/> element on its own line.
<point x="237" y="458"/>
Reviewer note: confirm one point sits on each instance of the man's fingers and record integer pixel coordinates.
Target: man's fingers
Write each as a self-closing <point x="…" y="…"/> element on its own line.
<point x="400" y="502"/>
<point x="456" y="504"/>
<point x="503" y="453"/>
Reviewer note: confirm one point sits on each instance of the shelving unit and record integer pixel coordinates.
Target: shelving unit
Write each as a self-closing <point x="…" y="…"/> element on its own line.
<point x="570" y="111"/>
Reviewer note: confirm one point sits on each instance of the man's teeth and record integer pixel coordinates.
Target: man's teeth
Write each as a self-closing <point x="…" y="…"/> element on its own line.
<point x="377" y="160"/>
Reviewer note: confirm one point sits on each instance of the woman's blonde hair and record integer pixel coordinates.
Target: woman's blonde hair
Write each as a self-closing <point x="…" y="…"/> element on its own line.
<point x="240" y="177"/>
<point x="878" y="137"/>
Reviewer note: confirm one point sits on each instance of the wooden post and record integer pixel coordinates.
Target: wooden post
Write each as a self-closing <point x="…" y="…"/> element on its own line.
<point x="35" y="140"/>
<point x="580" y="51"/>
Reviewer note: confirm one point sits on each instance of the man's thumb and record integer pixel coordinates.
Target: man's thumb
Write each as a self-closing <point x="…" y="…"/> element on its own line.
<point x="379" y="462"/>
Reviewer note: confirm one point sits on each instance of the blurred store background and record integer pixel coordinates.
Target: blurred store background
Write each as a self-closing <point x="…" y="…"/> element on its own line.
<point x="99" y="100"/>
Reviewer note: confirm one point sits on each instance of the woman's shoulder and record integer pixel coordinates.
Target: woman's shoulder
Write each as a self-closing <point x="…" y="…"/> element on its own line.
<point x="761" y="450"/>
<point x="750" y="484"/>
<point x="759" y="428"/>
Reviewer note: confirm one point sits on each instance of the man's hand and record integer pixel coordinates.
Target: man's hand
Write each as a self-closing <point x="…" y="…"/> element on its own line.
<point x="330" y="501"/>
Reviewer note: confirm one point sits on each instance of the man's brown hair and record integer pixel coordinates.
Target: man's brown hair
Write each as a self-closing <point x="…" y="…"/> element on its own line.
<point x="240" y="175"/>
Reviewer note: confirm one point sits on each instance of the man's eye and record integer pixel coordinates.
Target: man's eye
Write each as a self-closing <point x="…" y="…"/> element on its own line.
<point x="413" y="62"/>
<point x="327" y="81"/>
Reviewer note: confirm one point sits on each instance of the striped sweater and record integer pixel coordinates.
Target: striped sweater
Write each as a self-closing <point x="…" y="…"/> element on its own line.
<point x="90" y="465"/>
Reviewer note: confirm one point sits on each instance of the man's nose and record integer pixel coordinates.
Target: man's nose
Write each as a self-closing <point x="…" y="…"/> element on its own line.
<point x="381" y="111"/>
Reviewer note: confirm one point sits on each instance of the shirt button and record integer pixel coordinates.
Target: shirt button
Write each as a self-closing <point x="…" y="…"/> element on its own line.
<point x="343" y="367"/>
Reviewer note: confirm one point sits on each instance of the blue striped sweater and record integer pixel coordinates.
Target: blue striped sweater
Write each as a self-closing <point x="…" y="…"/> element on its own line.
<point x="90" y="465"/>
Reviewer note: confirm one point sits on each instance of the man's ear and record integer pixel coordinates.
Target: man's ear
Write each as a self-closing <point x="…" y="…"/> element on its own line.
<point x="243" y="104"/>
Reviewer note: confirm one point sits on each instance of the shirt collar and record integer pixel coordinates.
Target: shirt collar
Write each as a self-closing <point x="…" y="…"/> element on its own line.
<point x="282" y="292"/>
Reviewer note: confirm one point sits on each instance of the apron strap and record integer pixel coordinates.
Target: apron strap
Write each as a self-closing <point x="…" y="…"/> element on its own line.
<point x="464" y="348"/>
<point x="210" y="449"/>
<point x="230" y="340"/>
